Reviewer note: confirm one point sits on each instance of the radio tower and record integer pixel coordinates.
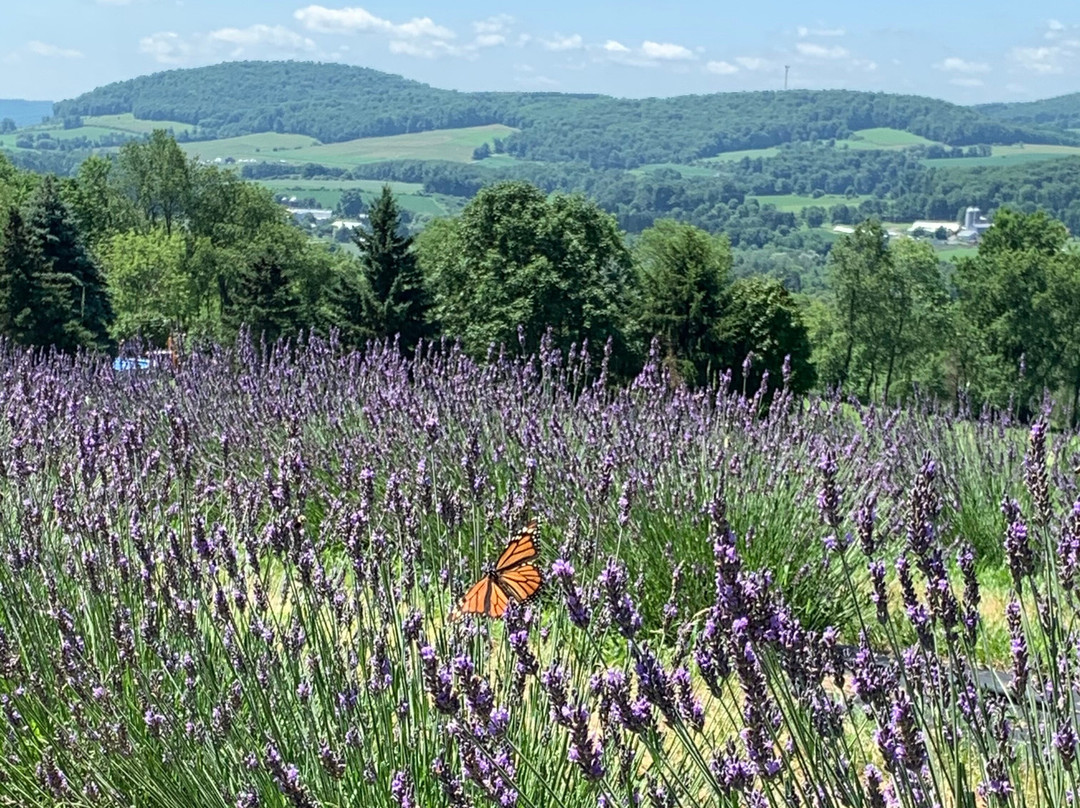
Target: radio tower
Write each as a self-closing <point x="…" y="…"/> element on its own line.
<point x="786" y="69"/>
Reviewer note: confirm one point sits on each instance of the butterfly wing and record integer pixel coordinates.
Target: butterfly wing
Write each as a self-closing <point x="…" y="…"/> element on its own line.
<point x="523" y="581"/>
<point x="520" y="549"/>
<point x="486" y="597"/>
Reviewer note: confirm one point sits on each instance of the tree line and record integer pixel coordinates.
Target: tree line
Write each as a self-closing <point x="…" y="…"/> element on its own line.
<point x="153" y="243"/>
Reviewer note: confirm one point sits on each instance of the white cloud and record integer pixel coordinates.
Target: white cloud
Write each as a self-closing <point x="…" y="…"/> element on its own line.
<point x="665" y="51"/>
<point x="359" y="20"/>
<point x="955" y="64"/>
<point x="805" y="31"/>
<point x="1054" y="29"/>
<point x="648" y="54"/>
<point x="563" y="43"/>
<point x="52" y="51"/>
<point x="276" y="36"/>
<point x="489" y="40"/>
<point x="721" y="68"/>
<point x="1044" y="59"/>
<point x="497" y="24"/>
<point x="168" y="47"/>
<point x="420" y="36"/>
<point x="753" y="63"/>
<point x="815" y="51"/>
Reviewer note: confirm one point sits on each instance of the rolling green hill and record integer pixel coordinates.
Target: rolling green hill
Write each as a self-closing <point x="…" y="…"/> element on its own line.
<point x="335" y="103"/>
<point x="1062" y="112"/>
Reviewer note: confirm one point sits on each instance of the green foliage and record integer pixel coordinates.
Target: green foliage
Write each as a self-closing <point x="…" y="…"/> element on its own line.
<point x="29" y="303"/>
<point x="157" y="177"/>
<point x="351" y="203"/>
<point x="888" y="313"/>
<point x="516" y="258"/>
<point x="261" y="296"/>
<point x="150" y="284"/>
<point x="1014" y="308"/>
<point x="85" y="312"/>
<point x="397" y="304"/>
<point x="762" y="325"/>
<point x="681" y="274"/>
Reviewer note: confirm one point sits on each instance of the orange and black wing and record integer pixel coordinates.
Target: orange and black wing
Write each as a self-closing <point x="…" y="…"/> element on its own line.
<point x="486" y="597"/>
<point x="520" y="549"/>
<point x="523" y="581"/>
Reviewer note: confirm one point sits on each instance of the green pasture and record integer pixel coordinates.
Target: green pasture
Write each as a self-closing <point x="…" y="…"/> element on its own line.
<point x="1010" y="155"/>
<point x="442" y="144"/>
<point x="263" y="146"/>
<point x="883" y="137"/>
<point x="456" y="145"/>
<point x="796" y="202"/>
<point x="129" y="123"/>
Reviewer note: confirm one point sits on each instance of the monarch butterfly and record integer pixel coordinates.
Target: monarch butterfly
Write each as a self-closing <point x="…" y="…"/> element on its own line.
<point x="511" y="577"/>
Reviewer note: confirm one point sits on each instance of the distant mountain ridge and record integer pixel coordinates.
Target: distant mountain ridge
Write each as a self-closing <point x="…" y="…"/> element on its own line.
<point x="24" y="112"/>
<point x="334" y="102"/>
<point x="1063" y="111"/>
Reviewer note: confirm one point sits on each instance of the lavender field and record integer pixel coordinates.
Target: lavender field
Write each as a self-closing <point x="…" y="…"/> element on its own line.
<point x="235" y="584"/>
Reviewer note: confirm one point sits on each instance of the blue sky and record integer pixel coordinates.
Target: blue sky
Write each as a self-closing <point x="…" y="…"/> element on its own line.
<point x="965" y="52"/>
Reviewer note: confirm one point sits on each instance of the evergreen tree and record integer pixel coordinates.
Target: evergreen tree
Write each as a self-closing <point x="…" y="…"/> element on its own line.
<point x="262" y="297"/>
<point x="83" y="319"/>
<point x="28" y="305"/>
<point x="397" y="303"/>
<point x="682" y="271"/>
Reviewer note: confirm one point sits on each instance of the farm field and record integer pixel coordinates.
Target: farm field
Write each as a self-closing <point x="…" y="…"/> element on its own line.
<point x="1009" y="155"/>
<point x="444" y="144"/>
<point x="726" y="157"/>
<point x="212" y="573"/>
<point x="882" y="138"/>
<point x="796" y="202"/>
<point x="129" y="123"/>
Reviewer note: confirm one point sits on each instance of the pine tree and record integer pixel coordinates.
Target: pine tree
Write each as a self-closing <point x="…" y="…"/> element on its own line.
<point x="263" y="299"/>
<point x="84" y="313"/>
<point x="27" y="305"/>
<point x="398" y="303"/>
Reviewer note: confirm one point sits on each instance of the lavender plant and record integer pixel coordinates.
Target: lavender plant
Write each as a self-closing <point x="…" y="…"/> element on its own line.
<point x="232" y="584"/>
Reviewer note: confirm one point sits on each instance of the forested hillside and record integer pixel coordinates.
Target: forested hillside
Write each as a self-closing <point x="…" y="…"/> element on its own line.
<point x="1062" y="112"/>
<point x="337" y="102"/>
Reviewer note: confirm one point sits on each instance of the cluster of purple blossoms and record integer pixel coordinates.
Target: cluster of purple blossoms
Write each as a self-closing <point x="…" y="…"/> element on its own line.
<point x="562" y="572"/>
<point x="615" y="584"/>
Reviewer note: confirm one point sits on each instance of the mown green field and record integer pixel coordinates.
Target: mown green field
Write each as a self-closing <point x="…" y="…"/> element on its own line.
<point x="1010" y="155"/>
<point x="129" y="123"/>
<point x="796" y="202"/>
<point x="263" y="146"/>
<point x="456" y="145"/>
<point x="883" y="138"/>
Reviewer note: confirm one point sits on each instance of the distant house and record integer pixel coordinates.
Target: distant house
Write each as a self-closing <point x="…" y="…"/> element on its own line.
<point x="844" y="229"/>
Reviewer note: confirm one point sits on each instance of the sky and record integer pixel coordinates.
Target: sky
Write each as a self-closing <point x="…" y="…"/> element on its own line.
<point x="963" y="52"/>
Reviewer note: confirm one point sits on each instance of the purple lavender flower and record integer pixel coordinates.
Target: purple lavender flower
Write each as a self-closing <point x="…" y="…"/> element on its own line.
<point x="1017" y="546"/>
<point x="401" y="789"/>
<point x="615" y="584"/>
